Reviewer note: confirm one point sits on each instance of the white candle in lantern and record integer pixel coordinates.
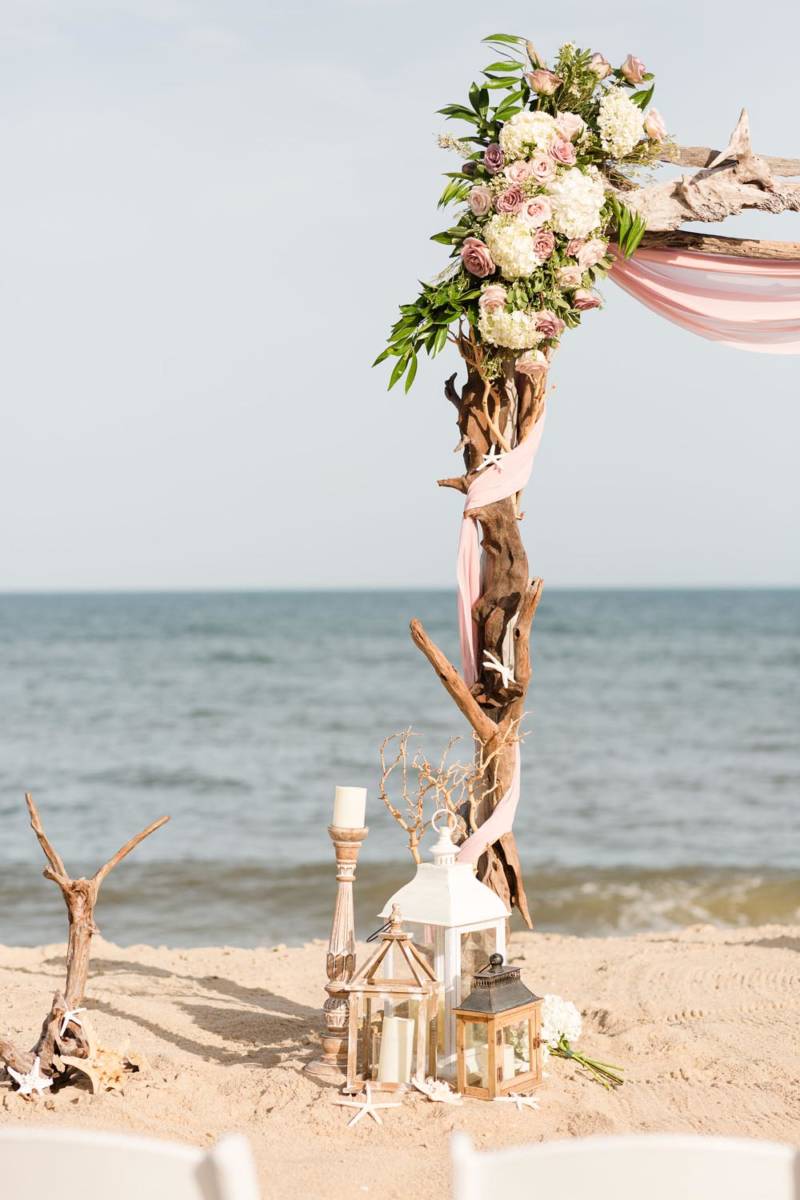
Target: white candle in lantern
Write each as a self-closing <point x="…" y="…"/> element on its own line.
<point x="397" y="1045"/>
<point x="349" y="807"/>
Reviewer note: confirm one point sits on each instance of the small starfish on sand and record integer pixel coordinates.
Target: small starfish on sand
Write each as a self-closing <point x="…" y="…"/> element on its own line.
<point x="520" y="1101"/>
<point x="33" y="1081"/>
<point x="365" y="1104"/>
<point x="493" y="664"/>
<point x="492" y="458"/>
<point x="70" y="1018"/>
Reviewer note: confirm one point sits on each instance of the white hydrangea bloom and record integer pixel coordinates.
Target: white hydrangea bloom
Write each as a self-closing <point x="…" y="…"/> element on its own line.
<point x="560" y="1018"/>
<point x="510" y="241"/>
<point x="516" y="330"/>
<point x="577" y="199"/>
<point x="526" y="129"/>
<point x="621" y="123"/>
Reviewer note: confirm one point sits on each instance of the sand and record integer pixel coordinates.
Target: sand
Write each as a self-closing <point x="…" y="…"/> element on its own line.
<point x="704" y="1021"/>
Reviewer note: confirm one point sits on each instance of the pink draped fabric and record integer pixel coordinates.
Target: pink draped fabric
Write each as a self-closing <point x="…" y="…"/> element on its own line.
<point x="496" y="482"/>
<point x="748" y="303"/>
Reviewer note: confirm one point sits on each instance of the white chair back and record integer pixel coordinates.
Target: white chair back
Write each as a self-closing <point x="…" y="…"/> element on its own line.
<point x="639" y="1167"/>
<point x="37" y="1163"/>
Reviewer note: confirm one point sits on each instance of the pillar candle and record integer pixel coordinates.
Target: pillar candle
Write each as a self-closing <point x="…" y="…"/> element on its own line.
<point x="349" y="807"/>
<point x="397" y="1045"/>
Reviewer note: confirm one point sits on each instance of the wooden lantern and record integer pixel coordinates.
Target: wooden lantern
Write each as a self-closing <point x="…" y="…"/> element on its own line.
<point x="498" y="1044"/>
<point x="394" y="1004"/>
<point x="457" y="922"/>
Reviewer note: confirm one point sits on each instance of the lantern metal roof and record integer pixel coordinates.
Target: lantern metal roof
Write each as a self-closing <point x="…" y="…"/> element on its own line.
<point x="445" y="892"/>
<point x="496" y="989"/>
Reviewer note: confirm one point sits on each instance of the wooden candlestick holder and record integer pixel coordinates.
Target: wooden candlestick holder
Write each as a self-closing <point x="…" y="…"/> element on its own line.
<point x="340" y="963"/>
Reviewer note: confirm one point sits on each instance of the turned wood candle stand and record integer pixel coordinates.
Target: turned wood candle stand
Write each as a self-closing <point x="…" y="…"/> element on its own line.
<point x="340" y="963"/>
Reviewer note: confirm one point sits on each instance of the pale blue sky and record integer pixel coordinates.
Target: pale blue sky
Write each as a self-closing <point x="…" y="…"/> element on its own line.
<point x="209" y="214"/>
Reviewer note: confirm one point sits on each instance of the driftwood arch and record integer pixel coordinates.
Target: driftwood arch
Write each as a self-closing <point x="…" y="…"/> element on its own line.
<point x="725" y="183"/>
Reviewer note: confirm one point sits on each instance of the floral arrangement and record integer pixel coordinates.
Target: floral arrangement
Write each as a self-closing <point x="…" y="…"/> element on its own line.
<point x="538" y="191"/>
<point x="561" y="1026"/>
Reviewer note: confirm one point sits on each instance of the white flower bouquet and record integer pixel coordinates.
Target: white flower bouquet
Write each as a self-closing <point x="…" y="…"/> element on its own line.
<point x="561" y="1026"/>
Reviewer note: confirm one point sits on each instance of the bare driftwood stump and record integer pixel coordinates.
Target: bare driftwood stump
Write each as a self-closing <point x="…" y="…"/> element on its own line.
<point x="62" y="1038"/>
<point x="497" y="415"/>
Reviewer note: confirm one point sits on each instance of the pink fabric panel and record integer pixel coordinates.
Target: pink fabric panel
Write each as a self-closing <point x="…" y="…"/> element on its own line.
<point x="499" y="822"/>
<point x="497" y="482"/>
<point x="748" y="303"/>
<point x="510" y="475"/>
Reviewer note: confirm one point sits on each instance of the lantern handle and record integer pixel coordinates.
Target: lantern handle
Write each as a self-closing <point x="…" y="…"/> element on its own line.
<point x="373" y="937"/>
<point x="452" y="819"/>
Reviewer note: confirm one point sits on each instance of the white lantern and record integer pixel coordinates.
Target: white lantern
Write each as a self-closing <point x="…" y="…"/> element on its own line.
<point x="458" y="923"/>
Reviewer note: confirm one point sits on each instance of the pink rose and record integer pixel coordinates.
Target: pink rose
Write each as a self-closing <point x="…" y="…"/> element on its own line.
<point x="480" y="200"/>
<point x="570" y="277"/>
<point x="591" y="252"/>
<point x="601" y="66"/>
<point x="654" y="126"/>
<point x="544" y="243"/>
<point x="569" y="125"/>
<point x="583" y="300"/>
<point x="536" y="211"/>
<point x="542" y="168"/>
<point x="509" y="201"/>
<point x="633" y="69"/>
<point x="544" y="82"/>
<point x="476" y="257"/>
<point x="532" y="363"/>
<point x="493" y="158"/>
<point x="563" y="152"/>
<point x="492" y="298"/>
<point x="517" y="172"/>
<point x="574" y="247"/>
<point x="549" y="324"/>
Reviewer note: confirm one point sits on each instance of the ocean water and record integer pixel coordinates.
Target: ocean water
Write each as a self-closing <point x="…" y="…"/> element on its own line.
<point x="661" y="768"/>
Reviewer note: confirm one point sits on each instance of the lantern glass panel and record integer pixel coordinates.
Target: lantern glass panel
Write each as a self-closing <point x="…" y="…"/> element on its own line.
<point x="476" y="947"/>
<point x="391" y="1032"/>
<point x="476" y="1054"/>
<point x="516" y="1050"/>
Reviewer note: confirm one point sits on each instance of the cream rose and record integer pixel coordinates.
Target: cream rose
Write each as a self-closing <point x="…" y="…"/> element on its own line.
<point x="654" y="126"/>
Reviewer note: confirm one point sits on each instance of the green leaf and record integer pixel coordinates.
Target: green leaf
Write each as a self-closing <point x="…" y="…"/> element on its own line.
<point x="509" y="39"/>
<point x="504" y="65"/>
<point x="441" y="338"/>
<point x="412" y="371"/>
<point x="644" y="97"/>
<point x="399" y="368"/>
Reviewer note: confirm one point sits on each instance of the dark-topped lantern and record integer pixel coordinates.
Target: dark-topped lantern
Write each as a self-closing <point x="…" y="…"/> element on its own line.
<point x="498" y="1047"/>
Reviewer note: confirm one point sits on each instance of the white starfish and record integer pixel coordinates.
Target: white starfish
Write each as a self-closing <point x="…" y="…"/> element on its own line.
<point x="520" y="1101"/>
<point x="70" y="1017"/>
<point x="34" y="1081"/>
<point x="492" y="458"/>
<point x="494" y="664"/>
<point x="365" y="1104"/>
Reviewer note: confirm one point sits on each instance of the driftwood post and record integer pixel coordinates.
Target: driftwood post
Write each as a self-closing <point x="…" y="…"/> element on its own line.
<point x="495" y="415"/>
<point x="60" y="1038"/>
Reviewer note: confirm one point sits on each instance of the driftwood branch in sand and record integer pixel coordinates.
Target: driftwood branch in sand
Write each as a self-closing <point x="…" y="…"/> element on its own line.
<point x="60" y="1037"/>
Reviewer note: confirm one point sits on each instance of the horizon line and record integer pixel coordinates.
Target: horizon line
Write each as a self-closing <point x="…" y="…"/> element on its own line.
<point x="341" y="589"/>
